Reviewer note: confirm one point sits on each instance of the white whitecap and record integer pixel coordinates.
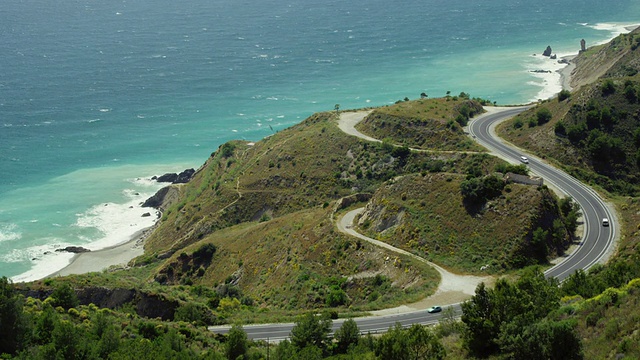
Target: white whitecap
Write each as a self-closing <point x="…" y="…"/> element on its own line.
<point x="44" y="259"/>
<point x="117" y="222"/>
<point x="9" y="232"/>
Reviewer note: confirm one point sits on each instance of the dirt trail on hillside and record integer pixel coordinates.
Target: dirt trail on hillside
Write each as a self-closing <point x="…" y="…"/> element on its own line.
<point x="453" y="288"/>
<point x="348" y="121"/>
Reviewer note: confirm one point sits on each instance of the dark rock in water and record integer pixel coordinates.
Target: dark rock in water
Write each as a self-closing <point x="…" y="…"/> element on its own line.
<point x="154" y="177"/>
<point x="174" y="178"/>
<point x="547" y="51"/>
<point x="146" y="214"/>
<point x="168" y="177"/>
<point x="73" y="249"/>
<point x="184" y="176"/>
<point x="157" y="198"/>
<point x="554" y="56"/>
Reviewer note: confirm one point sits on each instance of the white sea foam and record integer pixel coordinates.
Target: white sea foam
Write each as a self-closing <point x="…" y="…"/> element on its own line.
<point x="101" y="226"/>
<point x="614" y="29"/>
<point x="9" y="232"/>
<point x="117" y="223"/>
<point x="546" y="71"/>
<point x="44" y="258"/>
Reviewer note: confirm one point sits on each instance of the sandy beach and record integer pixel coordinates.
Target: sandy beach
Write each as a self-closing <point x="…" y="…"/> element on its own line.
<point x="565" y="73"/>
<point x="99" y="260"/>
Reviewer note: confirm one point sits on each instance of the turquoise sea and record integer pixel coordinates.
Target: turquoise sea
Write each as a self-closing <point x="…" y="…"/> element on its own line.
<point x="96" y="96"/>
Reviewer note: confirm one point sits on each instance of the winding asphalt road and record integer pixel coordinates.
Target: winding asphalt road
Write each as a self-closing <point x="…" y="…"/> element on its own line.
<point x="597" y="241"/>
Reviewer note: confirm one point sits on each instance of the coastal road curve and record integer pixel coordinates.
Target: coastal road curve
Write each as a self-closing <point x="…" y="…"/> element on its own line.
<point x="596" y="243"/>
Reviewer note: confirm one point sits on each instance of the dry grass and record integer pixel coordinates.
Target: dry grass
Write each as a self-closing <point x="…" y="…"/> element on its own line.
<point x="426" y="214"/>
<point x="427" y="124"/>
<point x="288" y="263"/>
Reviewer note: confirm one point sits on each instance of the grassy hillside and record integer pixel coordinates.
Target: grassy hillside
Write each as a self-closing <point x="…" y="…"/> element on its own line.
<point x="428" y="215"/>
<point x="429" y="124"/>
<point x="299" y="261"/>
<point x="305" y="166"/>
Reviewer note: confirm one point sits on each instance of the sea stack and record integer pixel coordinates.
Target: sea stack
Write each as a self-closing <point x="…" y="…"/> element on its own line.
<point x="547" y="51"/>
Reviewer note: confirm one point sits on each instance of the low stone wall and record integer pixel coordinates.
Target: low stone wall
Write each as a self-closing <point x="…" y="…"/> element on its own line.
<point x="523" y="179"/>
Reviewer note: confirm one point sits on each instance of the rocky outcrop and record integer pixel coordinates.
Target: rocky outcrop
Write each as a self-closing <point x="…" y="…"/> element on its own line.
<point x="104" y="297"/>
<point x="73" y="249"/>
<point x="547" y="51"/>
<point x="185" y="176"/>
<point x="166" y="178"/>
<point x="146" y="305"/>
<point x="174" y="178"/>
<point x="162" y="198"/>
<point x="381" y="217"/>
<point x="347" y="201"/>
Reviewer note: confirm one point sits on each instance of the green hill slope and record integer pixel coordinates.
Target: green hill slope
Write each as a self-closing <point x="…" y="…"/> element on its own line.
<point x="428" y="215"/>
<point x="428" y="124"/>
<point x="268" y="208"/>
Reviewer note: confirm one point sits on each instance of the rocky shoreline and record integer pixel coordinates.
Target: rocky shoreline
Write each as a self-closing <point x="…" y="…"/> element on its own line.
<point x="119" y="256"/>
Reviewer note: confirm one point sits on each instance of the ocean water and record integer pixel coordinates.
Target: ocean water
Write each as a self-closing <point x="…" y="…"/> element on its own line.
<point x="98" y="96"/>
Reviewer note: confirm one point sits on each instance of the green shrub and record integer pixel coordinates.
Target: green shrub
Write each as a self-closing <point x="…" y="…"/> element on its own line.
<point x="543" y="116"/>
<point x="560" y="129"/>
<point x="204" y="253"/>
<point x="64" y="296"/>
<point x="518" y="123"/>
<point x="608" y="87"/>
<point x="564" y="95"/>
